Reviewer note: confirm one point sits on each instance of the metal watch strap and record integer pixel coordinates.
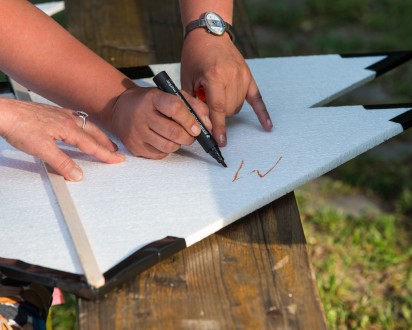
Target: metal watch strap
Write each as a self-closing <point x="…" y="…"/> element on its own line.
<point x="202" y="23"/>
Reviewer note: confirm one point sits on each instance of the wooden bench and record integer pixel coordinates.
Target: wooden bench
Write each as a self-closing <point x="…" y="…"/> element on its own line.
<point x="255" y="273"/>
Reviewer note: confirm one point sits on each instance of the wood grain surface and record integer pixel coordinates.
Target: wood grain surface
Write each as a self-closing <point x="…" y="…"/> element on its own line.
<point x="140" y="32"/>
<point x="254" y="274"/>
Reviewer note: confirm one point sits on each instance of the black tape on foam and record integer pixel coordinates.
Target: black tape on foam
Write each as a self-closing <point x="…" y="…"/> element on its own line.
<point x="404" y="119"/>
<point x="138" y="262"/>
<point x="391" y="61"/>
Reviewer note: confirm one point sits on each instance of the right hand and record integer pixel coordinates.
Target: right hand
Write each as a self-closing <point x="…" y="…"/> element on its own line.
<point x="153" y="124"/>
<point x="34" y="128"/>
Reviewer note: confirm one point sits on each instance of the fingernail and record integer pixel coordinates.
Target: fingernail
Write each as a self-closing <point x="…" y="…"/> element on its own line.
<point x="76" y="174"/>
<point x="195" y="130"/>
<point x="121" y="157"/>
<point x="269" y="122"/>
<point x="222" y="140"/>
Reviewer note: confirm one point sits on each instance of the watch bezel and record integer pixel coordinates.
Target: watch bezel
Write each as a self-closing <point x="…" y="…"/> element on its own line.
<point x="203" y="23"/>
<point x="213" y="29"/>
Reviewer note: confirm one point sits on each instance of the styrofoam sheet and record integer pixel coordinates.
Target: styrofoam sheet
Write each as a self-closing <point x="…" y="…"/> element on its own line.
<point x="126" y="206"/>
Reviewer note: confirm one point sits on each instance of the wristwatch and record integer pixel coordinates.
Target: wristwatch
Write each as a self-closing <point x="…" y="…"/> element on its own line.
<point x="213" y="24"/>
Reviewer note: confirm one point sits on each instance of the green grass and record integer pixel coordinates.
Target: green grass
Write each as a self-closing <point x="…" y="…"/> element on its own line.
<point x="319" y="26"/>
<point x="391" y="181"/>
<point x="362" y="260"/>
<point x="357" y="268"/>
<point x="64" y="316"/>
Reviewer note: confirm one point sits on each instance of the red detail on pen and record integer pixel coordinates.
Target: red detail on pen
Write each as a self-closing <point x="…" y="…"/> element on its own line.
<point x="201" y="94"/>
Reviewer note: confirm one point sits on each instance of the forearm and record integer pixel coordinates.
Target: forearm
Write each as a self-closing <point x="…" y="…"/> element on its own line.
<point x="44" y="57"/>
<point x="191" y="10"/>
<point x="6" y="112"/>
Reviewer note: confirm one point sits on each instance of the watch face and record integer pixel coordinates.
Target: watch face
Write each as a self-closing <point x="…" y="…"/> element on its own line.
<point x="214" y="23"/>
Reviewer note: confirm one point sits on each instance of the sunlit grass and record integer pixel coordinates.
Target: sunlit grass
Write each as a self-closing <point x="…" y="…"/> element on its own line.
<point x="362" y="260"/>
<point x="64" y="316"/>
<point x="362" y="265"/>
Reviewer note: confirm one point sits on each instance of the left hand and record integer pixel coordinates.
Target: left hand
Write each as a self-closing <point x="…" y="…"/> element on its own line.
<point x="34" y="128"/>
<point x="214" y="63"/>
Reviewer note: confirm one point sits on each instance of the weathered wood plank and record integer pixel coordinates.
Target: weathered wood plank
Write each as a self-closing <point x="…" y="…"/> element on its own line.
<point x="116" y="30"/>
<point x="253" y="274"/>
<point x="139" y="32"/>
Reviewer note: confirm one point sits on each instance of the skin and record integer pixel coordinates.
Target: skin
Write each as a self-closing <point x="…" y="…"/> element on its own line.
<point x="222" y="72"/>
<point x="49" y="61"/>
<point x="21" y="123"/>
<point x="38" y="53"/>
<point x="149" y="122"/>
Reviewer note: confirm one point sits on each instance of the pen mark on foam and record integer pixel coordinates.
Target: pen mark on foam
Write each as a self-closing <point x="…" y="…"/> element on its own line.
<point x="236" y="177"/>
<point x="259" y="174"/>
<point x="270" y="170"/>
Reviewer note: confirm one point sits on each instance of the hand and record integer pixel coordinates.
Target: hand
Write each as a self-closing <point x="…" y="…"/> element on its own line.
<point x="215" y="64"/>
<point x="34" y="128"/>
<point x="153" y="124"/>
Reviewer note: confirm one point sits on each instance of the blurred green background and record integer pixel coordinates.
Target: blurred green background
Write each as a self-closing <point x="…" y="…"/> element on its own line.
<point x="357" y="218"/>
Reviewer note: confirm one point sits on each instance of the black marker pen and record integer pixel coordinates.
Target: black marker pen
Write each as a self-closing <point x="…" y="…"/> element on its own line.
<point x="206" y="140"/>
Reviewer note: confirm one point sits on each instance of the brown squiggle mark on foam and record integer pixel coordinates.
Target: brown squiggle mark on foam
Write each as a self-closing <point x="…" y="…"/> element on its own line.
<point x="236" y="177"/>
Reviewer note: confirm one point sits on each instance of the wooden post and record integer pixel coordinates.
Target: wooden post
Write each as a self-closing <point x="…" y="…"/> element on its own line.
<point x="138" y="32"/>
<point x="254" y="274"/>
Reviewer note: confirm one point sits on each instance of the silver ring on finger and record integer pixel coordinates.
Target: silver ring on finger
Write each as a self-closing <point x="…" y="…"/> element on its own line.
<point x="83" y="115"/>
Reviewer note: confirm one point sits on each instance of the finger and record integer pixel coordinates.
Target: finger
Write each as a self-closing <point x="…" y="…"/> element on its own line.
<point x="171" y="131"/>
<point x="174" y="108"/>
<point x="219" y="129"/>
<point x="144" y="149"/>
<point x="216" y="100"/>
<point x="100" y="137"/>
<point x="151" y="152"/>
<point x="87" y="144"/>
<point x="187" y="86"/>
<point x="254" y="98"/>
<point x="234" y="101"/>
<point x="161" y="144"/>
<point x="62" y="163"/>
<point x="201" y="109"/>
<point x="140" y="148"/>
<point x="97" y="133"/>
